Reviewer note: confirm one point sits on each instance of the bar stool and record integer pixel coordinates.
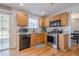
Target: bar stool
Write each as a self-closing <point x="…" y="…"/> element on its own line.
<point x="75" y="38"/>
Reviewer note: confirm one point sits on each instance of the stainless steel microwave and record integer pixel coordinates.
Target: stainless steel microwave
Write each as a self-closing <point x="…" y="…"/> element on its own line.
<point x="23" y="30"/>
<point x="55" y="23"/>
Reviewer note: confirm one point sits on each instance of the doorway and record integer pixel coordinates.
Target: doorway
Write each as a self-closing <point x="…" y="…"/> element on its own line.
<point x="75" y="30"/>
<point x="4" y="31"/>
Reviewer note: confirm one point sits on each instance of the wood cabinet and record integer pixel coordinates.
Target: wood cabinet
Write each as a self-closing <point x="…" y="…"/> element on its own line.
<point x="37" y="38"/>
<point x="47" y="21"/>
<point x="63" y="17"/>
<point x="40" y="38"/>
<point x="33" y="39"/>
<point x="57" y="17"/>
<point x="22" y="19"/>
<point x="63" y="42"/>
<point x="45" y="38"/>
<point x="44" y="21"/>
<point x="51" y="18"/>
<point x="42" y="24"/>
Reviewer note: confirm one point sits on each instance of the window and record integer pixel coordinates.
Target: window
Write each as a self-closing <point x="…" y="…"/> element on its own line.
<point x="4" y="31"/>
<point x="33" y="23"/>
<point x="4" y="22"/>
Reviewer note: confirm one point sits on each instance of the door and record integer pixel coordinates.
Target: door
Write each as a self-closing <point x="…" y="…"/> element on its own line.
<point x="4" y="31"/>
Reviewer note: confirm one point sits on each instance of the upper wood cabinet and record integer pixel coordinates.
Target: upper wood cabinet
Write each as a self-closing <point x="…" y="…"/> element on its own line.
<point x="22" y="19"/>
<point x="44" y="21"/>
<point x="47" y="21"/>
<point x="53" y="18"/>
<point x="63" y="17"/>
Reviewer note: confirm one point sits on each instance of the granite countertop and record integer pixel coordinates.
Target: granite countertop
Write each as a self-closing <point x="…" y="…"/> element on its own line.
<point x="40" y="33"/>
<point x="37" y="33"/>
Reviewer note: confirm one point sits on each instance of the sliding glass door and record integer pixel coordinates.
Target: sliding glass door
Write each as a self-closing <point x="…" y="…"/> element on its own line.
<point x="4" y="31"/>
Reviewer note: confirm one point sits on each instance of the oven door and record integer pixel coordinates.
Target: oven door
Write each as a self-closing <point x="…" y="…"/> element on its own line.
<point x="24" y="41"/>
<point x="52" y="41"/>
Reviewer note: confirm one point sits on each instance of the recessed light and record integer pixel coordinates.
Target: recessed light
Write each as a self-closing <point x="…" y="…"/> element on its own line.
<point x="42" y="13"/>
<point x="21" y="4"/>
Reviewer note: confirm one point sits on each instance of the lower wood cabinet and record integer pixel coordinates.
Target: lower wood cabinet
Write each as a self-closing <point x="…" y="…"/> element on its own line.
<point x="33" y="39"/>
<point x="40" y="39"/>
<point x="37" y="38"/>
<point x="63" y="42"/>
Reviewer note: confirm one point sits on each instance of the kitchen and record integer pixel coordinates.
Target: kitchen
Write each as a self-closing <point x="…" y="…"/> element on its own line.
<point x="36" y="30"/>
<point x="54" y="35"/>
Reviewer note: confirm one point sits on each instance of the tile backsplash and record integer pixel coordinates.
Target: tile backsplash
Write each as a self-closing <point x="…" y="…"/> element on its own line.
<point x="65" y="29"/>
<point x="49" y="29"/>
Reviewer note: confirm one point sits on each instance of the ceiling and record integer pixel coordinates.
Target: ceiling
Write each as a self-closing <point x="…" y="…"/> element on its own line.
<point x="41" y="9"/>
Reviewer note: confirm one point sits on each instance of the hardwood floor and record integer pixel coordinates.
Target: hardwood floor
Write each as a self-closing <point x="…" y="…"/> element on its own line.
<point x="44" y="51"/>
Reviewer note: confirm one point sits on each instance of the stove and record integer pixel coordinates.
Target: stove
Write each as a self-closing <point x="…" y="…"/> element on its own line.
<point x="53" y="40"/>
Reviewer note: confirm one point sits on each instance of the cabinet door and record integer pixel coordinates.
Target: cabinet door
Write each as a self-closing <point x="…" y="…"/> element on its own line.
<point x="41" y="39"/>
<point x="22" y="19"/>
<point x="51" y="18"/>
<point x="44" y="22"/>
<point x="41" y="21"/>
<point x="57" y="17"/>
<point x="61" y="43"/>
<point x="64" y="19"/>
<point x="33" y="40"/>
<point x="47" y="22"/>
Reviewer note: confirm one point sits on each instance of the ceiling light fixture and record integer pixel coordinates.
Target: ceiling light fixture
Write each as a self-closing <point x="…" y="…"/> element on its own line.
<point x="21" y="4"/>
<point x="42" y="13"/>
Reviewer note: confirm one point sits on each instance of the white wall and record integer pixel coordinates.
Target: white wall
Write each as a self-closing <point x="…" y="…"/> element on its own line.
<point x="12" y="31"/>
<point x="75" y="25"/>
<point x="75" y="21"/>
